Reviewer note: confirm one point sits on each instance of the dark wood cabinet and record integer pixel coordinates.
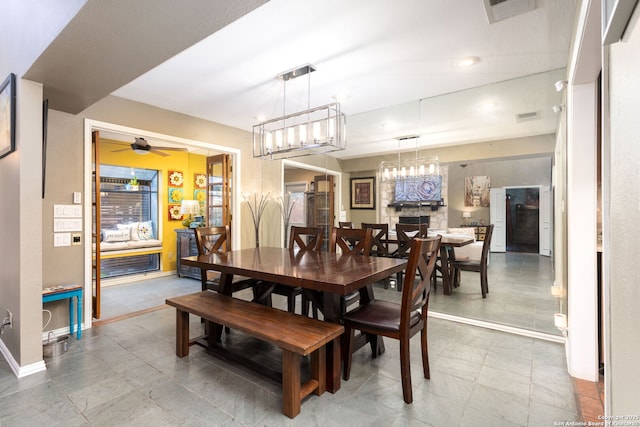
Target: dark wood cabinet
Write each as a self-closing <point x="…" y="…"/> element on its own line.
<point x="323" y="204"/>
<point x="186" y="246"/>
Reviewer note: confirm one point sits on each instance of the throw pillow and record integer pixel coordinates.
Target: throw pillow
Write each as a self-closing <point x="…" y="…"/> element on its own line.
<point x="145" y="230"/>
<point x="133" y="227"/>
<point x="110" y="236"/>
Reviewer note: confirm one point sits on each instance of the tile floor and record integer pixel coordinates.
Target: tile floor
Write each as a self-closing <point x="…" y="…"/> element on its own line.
<point x="126" y="373"/>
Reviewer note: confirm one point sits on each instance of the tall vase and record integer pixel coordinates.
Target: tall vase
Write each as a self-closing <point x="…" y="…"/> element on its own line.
<point x="257" y="234"/>
<point x="286" y="233"/>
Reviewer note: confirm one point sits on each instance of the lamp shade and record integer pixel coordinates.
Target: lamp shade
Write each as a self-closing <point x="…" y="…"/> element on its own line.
<point x="466" y="214"/>
<point x="190" y="207"/>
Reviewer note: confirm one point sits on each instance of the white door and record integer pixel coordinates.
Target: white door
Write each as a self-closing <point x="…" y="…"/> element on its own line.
<point x="545" y="221"/>
<point x="497" y="211"/>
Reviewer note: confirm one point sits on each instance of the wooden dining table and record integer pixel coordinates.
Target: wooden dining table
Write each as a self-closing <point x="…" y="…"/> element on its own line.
<point x="333" y="274"/>
<point x="448" y="242"/>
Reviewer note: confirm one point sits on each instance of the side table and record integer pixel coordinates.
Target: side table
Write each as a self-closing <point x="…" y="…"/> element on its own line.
<point x="67" y="292"/>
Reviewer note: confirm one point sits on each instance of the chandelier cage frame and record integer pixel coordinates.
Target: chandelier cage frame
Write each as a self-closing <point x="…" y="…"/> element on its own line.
<point x="315" y="130"/>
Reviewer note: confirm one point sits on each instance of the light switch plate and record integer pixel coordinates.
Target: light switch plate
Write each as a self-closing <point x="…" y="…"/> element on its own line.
<point x="77" y="197"/>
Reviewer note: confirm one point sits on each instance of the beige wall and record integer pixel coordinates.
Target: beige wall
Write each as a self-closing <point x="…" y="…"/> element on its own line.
<point x="623" y="217"/>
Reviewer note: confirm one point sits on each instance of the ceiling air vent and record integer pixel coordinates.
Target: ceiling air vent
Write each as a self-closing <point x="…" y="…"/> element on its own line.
<point x="497" y="10"/>
<point x="523" y="117"/>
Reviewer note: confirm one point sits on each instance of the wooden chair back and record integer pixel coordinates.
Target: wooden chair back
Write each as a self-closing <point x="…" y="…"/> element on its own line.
<point x="345" y="224"/>
<point x="405" y="233"/>
<point x="415" y="293"/>
<point x="212" y="239"/>
<point x="486" y="245"/>
<point x="351" y="241"/>
<point x="306" y="238"/>
<point x="379" y="238"/>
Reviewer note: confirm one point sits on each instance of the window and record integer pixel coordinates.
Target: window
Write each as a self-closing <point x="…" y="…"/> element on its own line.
<point x="122" y="204"/>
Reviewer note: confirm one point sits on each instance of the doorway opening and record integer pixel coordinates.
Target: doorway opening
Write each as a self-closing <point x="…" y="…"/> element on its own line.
<point x="523" y="219"/>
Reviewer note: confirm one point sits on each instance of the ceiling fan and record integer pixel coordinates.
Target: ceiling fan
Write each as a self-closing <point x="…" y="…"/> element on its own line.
<point x="141" y="146"/>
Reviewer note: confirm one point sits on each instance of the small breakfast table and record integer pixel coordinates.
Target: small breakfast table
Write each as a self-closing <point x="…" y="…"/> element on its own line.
<point x="333" y="274"/>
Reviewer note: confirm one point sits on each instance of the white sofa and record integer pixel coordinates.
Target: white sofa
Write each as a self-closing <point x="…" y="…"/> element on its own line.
<point x="472" y="251"/>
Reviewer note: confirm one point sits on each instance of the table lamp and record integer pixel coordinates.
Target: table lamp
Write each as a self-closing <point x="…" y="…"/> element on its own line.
<point x="466" y="215"/>
<point x="190" y="208"/>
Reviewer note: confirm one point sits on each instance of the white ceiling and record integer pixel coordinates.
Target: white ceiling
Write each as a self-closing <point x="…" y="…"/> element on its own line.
<point x="384" y="56"/>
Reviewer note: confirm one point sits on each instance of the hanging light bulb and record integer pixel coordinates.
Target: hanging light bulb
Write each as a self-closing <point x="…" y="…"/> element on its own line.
<point x="395" y="172"/>
<point x="269" y="141"/>
<point x="403" y="172"/>
<point x="386" y="173"/>
<point x="412" y="171"/>
<point x="291" y="136"/>
<point x="303" y="134"/>
<point x="432" y="169"/>
<point x="421" y="170"/>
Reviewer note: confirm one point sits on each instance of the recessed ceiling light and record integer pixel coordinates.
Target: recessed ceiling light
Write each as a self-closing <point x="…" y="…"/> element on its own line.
<point x="260" y="118"/>
<point x="340" y="97"/>
<point x="467" y="62"/>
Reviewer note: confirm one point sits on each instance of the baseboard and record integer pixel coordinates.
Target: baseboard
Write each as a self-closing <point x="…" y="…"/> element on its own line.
<point x="499" y="327"/>
<point x="21" y="371"/>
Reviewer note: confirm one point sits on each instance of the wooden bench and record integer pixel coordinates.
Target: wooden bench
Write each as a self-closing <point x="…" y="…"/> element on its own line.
<point x="296" y="335"/>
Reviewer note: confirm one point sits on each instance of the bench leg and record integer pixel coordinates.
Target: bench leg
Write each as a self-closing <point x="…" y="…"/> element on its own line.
<point x="290" y="383"/>
<point x="319" y="369"/>
<point x="182" y="333"/>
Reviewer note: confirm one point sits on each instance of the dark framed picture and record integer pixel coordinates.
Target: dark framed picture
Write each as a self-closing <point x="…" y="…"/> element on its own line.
<point x="363" y="193"/>
<point x="8" y="115"/>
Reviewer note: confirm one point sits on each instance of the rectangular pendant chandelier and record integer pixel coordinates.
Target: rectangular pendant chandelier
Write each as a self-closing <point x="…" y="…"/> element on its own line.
<point x="312" y="131"/>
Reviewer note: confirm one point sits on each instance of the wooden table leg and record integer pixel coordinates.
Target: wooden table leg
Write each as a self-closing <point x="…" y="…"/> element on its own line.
<point x="446" y="278"/>
<point x="334" y="361"/>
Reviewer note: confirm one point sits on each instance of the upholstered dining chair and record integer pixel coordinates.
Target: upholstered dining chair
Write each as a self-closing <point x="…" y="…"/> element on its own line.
<point x="405" y="233"/>
<point x="399" y="321"/>
<point x="479" y="266"/>
<point x="216" y="239"/>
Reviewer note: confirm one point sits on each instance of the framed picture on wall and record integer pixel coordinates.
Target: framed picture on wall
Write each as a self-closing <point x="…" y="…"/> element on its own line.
<point x="8" y="115"/>
<point x="363" y="193"/>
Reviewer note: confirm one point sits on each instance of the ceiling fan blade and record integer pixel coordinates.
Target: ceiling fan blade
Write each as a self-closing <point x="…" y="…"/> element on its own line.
<point x="169" y="148"/>
<point x="121" y="150"/>
<point x="158" y="152"/>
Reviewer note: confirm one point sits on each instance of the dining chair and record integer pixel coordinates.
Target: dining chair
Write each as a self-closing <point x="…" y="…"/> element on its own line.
<point x="300" y="239"/>
<point x="379" y="241"/>
<point x="379" y="238"/>
<point x="216" y="239"/>
<point x="399" y="321"/>
<point x="349" y="241"/>
<point x="479" y="266"/>
<point x="345" y="224"/>
<point x="405" y="233"/>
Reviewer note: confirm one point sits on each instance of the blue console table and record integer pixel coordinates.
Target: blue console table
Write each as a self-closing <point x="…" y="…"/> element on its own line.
<point x="67" y="292"/>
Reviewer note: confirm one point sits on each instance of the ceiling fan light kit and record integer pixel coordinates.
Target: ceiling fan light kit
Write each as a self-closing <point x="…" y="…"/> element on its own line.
<point x="311" y="131"/>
